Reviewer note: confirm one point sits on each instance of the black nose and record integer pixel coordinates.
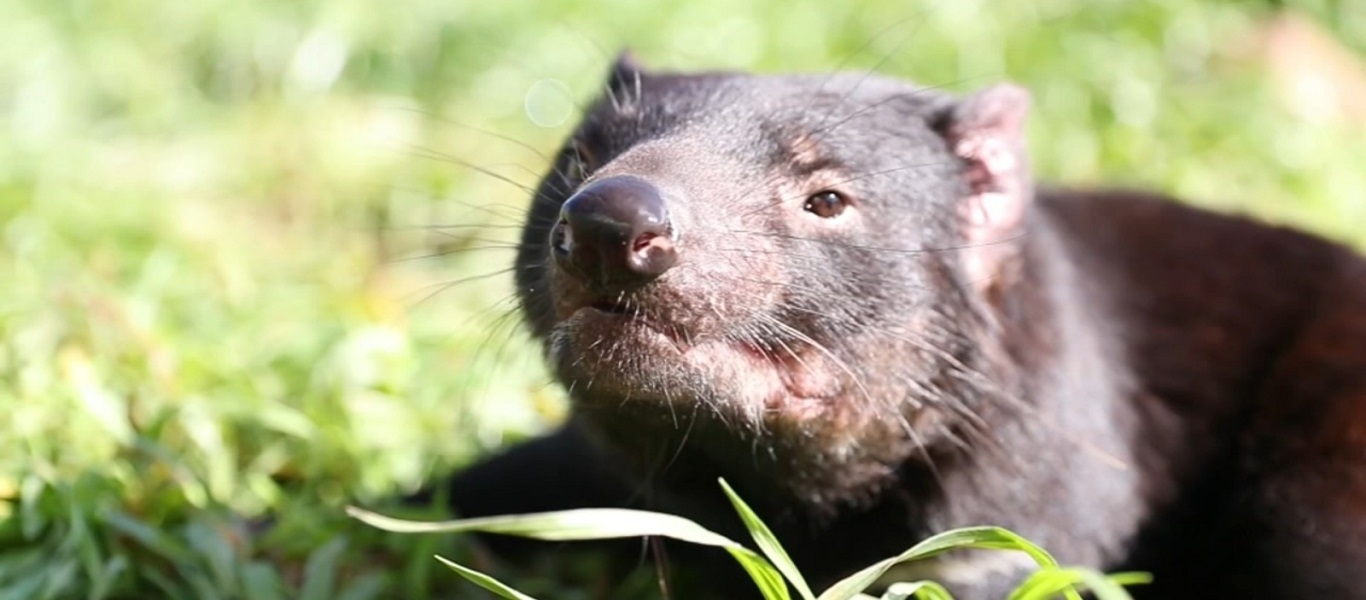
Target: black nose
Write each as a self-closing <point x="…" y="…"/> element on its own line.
<point x="614" y="234"/>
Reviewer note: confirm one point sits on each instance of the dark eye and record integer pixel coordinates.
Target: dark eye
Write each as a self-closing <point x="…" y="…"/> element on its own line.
<point x="826" y="204"/>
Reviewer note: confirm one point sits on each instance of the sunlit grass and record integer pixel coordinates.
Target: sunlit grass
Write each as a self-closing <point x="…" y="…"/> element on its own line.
<point x="773" y="572"/>
<point x="213" y="218"/>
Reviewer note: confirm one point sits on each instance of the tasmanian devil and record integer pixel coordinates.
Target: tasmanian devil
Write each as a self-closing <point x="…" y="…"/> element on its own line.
<point x="846" y="295"/>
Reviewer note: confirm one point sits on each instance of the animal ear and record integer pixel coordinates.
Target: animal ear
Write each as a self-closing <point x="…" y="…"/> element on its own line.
<point x="626" y="70"/>
<point x="986" y="132"/>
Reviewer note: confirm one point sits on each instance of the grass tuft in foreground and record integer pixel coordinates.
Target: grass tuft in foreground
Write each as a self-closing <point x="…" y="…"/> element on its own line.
<point x="773" y="571"/>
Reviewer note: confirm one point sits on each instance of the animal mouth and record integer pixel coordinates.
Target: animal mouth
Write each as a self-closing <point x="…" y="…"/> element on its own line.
<point x="630" y="353"/>
<point x="609" y="307"/>
<point x="619" y="323"/>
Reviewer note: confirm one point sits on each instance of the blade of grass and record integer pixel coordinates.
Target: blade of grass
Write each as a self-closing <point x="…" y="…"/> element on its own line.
<point x="261" y="581"/>
<point x="1128" y="579"/>
<point x="567" y="525"/>
<point x="150" y="537"/>
<point x="102" y="587"/>
<point x="924" y="590"/>
<point x="24" y="588"/>
<point x="768" y="543"/>
<point x="365" y="587"/>
<point x="320" y="571"/>
<point x="485" y="581"/>
<point x="1046" y="583"/>
<point x="992" y="538"/>
<point x="217" y="553"/>
<point x="595" y="524"/>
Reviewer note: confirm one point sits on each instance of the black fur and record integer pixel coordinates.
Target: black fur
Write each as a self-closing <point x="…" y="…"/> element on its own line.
<point x="1138" y="384"/>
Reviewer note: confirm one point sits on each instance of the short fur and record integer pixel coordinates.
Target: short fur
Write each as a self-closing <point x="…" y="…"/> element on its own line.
<point x="1131" y="382"/>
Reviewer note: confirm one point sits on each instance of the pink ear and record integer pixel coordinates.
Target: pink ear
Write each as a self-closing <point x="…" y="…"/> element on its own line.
<point x="986" y="131"/>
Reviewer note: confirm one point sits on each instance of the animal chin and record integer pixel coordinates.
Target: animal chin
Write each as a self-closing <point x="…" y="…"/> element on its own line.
<point x="606" y="351"/>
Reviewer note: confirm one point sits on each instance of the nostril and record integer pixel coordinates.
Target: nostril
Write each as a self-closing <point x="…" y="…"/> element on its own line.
<point x="645" y="240"/>
<point x="652" y="254"/>
<point x="560" y="240"/>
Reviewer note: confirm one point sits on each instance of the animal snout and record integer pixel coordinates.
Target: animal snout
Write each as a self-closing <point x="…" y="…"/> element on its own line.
<point x="615" y="234"/>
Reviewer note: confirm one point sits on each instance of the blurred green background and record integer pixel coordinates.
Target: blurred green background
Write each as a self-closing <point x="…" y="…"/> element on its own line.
<point x="253" y="253"/>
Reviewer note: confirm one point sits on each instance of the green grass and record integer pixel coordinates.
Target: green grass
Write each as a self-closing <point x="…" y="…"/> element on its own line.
<point x="774" y="574"/>
<point x="213" y="218"/>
